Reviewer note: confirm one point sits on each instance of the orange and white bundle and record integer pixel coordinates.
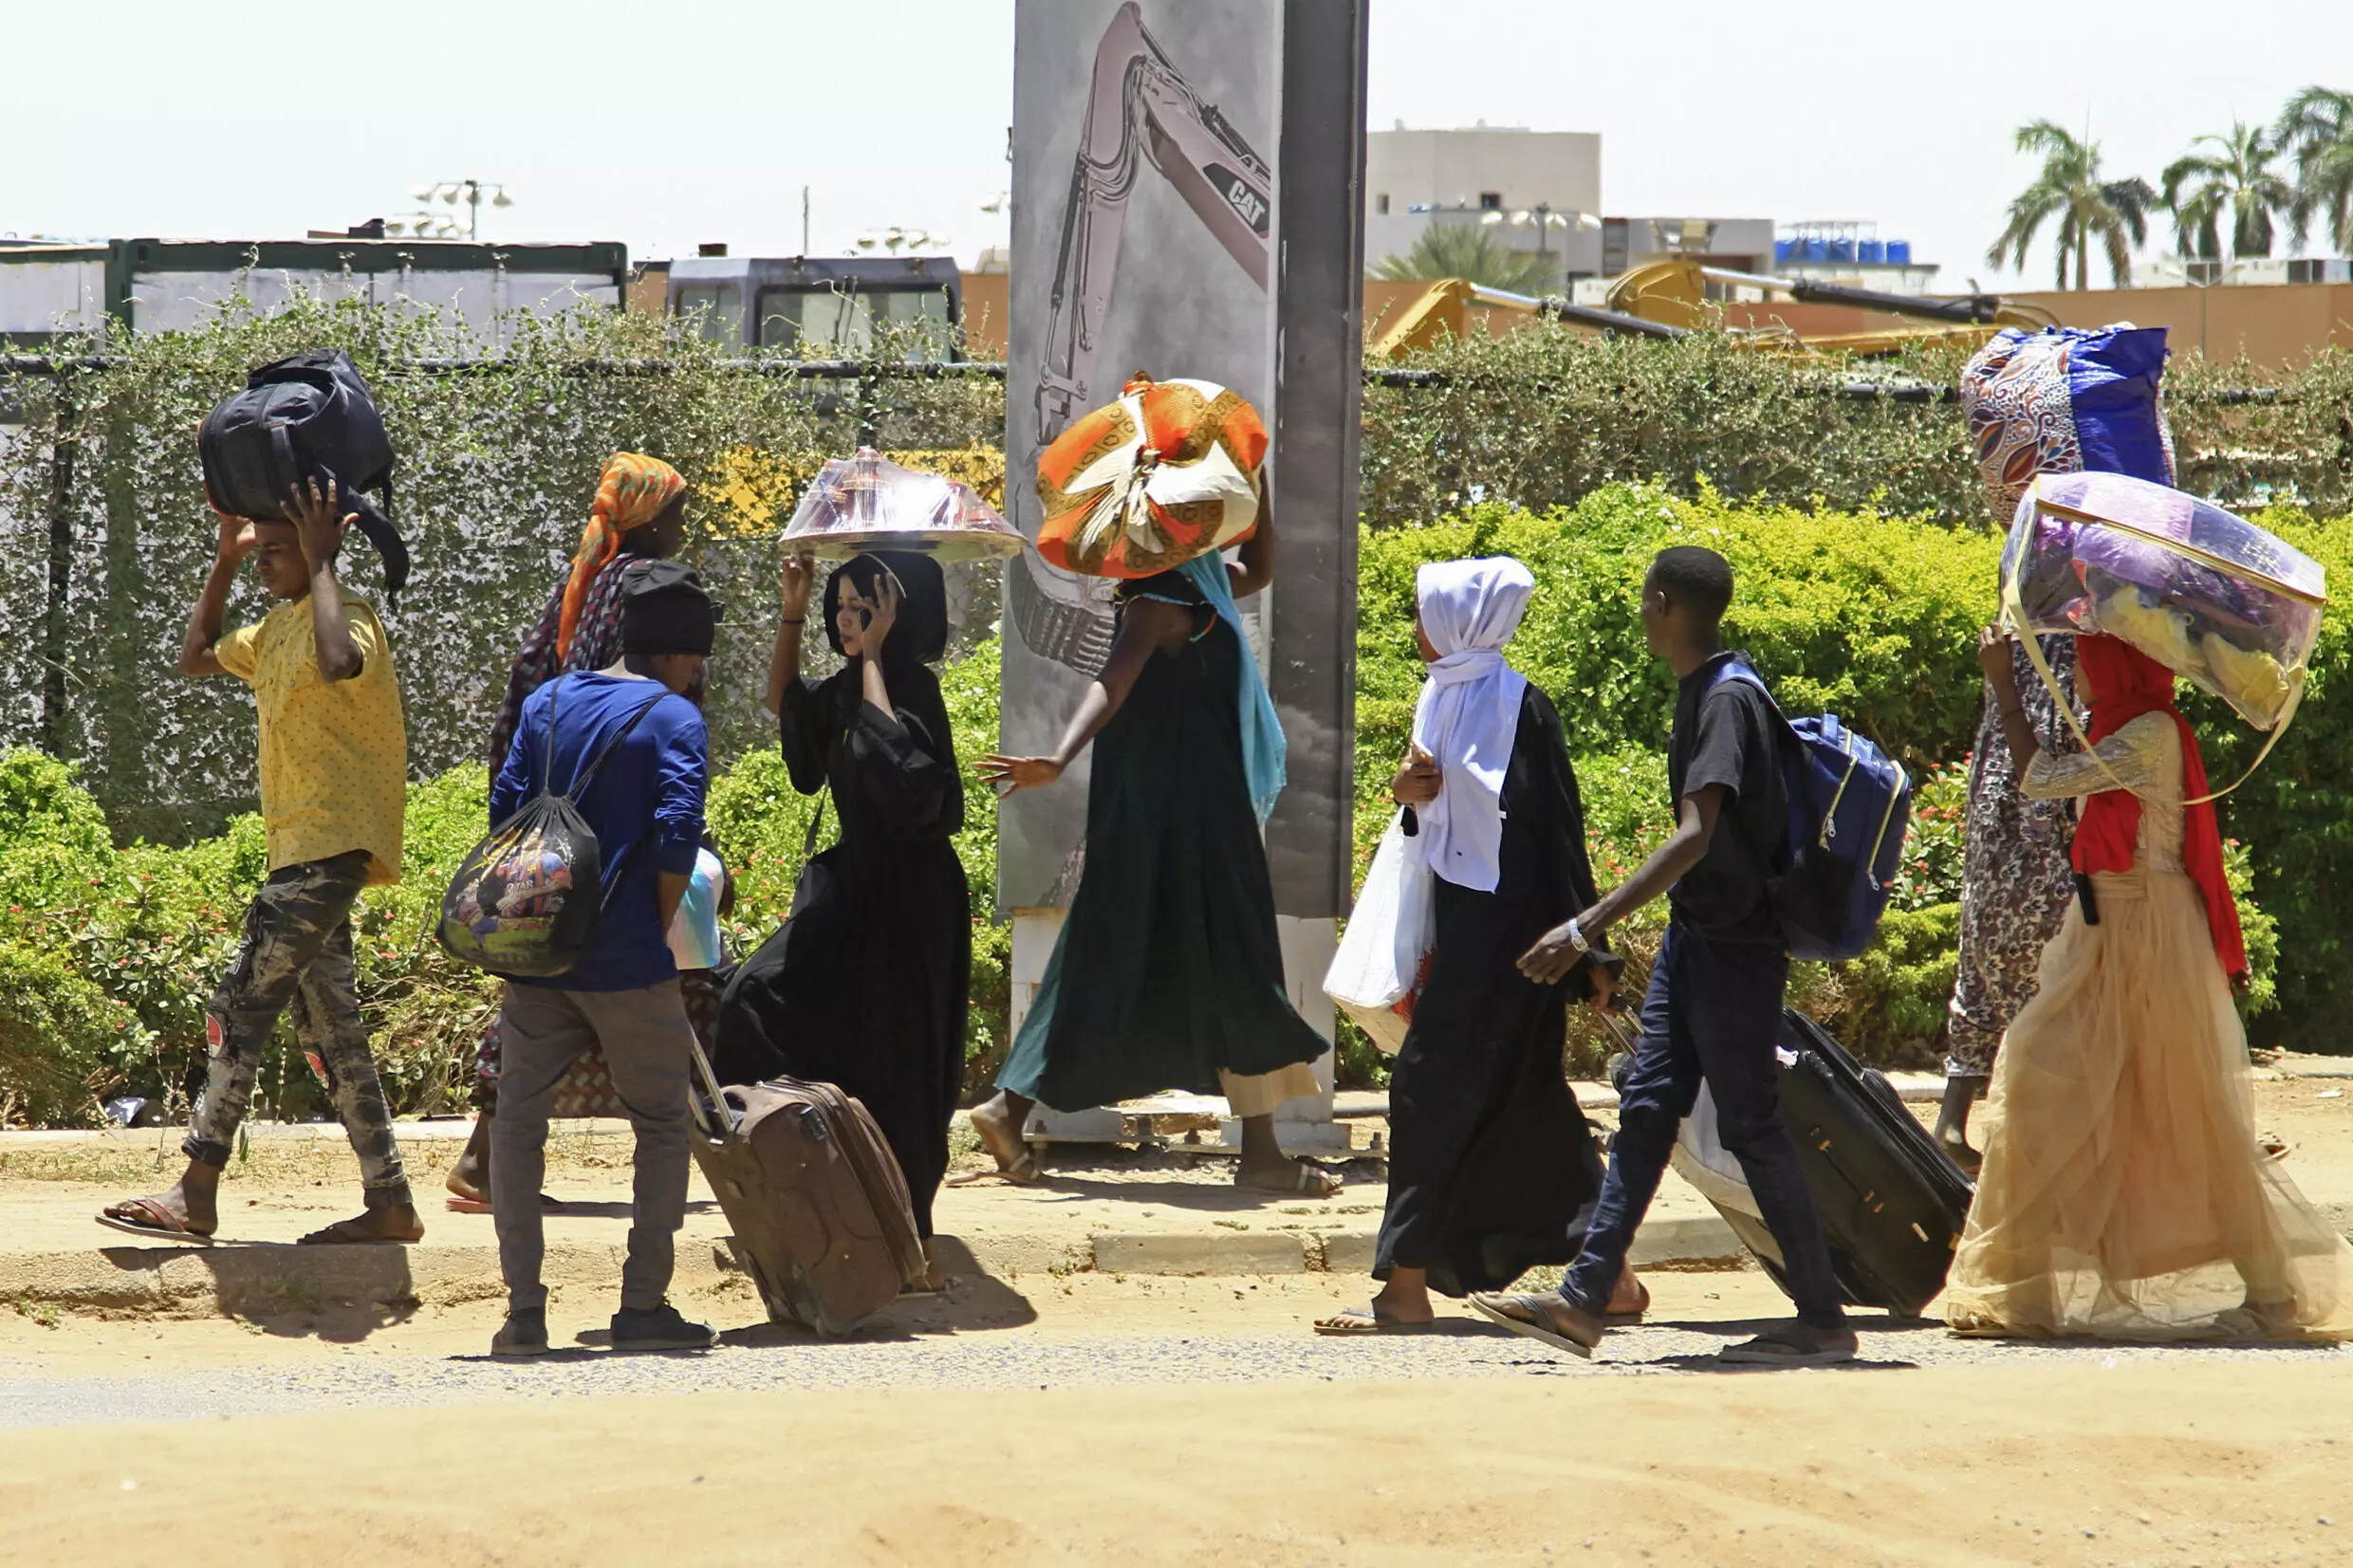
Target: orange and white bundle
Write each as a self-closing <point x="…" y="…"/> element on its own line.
<point x="1140" y="487"/>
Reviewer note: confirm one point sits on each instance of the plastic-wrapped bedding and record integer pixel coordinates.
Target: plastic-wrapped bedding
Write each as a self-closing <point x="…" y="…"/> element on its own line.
<point x="2207" y="594"/>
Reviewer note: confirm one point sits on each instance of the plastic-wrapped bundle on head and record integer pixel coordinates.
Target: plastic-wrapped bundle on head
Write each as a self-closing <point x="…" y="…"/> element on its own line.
<point x="2208" y="595"/>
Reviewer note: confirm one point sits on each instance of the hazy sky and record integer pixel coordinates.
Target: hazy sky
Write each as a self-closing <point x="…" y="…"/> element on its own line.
<point x="672" y="123"/>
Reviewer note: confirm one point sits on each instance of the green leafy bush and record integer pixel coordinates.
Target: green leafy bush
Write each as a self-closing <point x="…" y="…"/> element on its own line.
<point x="1872" y="616"/>
<point x="1547" y="416"/>
<point x="115" y="952"/>
<point x="58" y="1032"/>
<point x="2295" y="816"/>
<point x="1875" y="617"/>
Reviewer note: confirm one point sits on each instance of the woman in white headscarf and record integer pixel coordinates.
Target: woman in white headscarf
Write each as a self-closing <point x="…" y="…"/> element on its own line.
<point x="1492" y="1170"/>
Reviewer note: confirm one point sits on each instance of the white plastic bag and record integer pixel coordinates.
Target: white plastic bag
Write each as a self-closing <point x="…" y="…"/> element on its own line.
<point x="1701" y="1158"/>
<point x="1376" y="973"/>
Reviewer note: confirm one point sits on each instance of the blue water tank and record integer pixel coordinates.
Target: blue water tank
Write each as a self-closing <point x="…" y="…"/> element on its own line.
<point x="1899" y="252"/>
<point x="1841" y="250"/>
<point x="1814" y="250"/>
<point x="1784" y="250"/>
<point x="1871" y="252"/>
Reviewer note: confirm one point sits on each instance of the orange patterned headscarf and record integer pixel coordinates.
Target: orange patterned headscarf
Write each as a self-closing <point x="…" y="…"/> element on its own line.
<point x="631" y="492"/>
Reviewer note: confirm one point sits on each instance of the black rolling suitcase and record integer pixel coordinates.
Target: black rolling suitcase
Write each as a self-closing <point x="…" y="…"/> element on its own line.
<point x="1892" y="1203"/>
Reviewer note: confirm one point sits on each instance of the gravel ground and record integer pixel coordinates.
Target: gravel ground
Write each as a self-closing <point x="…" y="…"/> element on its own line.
<point x="767" y="1359"/>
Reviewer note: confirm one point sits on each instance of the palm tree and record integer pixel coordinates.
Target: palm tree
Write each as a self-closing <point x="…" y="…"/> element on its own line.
<point x="1466" y="250"/>
<point x="2114" y="214"/>
<point x="2234" y="178"/>
<point x="2316" y="129"/>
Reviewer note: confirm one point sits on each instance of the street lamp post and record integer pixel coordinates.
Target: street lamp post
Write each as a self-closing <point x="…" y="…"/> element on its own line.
<point x="473" y="193"/>
<point x="1542" y="217"/>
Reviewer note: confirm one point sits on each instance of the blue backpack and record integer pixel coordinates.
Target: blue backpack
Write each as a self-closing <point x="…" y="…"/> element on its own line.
<point x="1850" y="804"/>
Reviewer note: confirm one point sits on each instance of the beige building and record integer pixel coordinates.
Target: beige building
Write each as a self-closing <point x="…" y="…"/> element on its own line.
<point x="1533" y="190"/>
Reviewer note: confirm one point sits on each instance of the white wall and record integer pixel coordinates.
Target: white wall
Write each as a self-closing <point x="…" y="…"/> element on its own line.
<point x="163" y="302"/>
<point x="43" y="296"/>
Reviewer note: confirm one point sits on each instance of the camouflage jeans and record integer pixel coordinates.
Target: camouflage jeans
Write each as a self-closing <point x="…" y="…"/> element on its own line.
<point x="297" y="953"/>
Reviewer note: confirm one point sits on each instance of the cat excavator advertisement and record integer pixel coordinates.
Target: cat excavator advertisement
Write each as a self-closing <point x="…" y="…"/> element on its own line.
<point x="1152" y="141"/>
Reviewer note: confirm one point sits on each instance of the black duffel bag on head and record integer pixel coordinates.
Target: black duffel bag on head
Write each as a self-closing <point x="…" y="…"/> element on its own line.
<point x="308" y="417"/>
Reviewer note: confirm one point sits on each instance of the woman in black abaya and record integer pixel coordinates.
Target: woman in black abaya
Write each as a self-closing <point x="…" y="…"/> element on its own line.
<point x="864" y="986"/>
<point x="1491" y="1167"/>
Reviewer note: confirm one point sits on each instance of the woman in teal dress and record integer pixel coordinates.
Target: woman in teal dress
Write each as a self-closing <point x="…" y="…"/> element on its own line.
<point x="1168" y="972"/>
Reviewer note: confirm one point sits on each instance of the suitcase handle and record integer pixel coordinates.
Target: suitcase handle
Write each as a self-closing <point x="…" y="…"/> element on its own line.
<point x="710" y="1129"/>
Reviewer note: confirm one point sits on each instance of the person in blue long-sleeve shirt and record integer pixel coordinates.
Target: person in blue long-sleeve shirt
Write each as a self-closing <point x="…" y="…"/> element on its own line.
<point x="645" y="806"/>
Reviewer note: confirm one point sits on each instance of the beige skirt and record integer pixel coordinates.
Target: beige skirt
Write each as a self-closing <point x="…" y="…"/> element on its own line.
<point x="2124" y="1193"/>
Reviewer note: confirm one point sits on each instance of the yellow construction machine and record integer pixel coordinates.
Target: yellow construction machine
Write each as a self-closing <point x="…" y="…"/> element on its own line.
<point x="1669" y="298"/>
<point x="1451" y="307"/>
<point x="1674" y="292"/>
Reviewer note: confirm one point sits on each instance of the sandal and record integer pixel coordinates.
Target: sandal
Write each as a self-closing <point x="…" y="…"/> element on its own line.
<point x="148" y="1217"/>
<point x="1793" y="1345"/>
<point x="1017" y="1162"/>
<point x="457" y="1203"/>
<point x="1027" y="1170"/>
<point x="1308" y="1180"/>
<point x="1974" y="1325"/>
<point x="352" y="1233"/>
<point x="1353" y="1323"/>
<point x="1533" y="1316"/>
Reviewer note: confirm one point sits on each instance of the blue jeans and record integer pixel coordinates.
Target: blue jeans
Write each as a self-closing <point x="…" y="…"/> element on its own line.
<point x="1712" y="1013"/>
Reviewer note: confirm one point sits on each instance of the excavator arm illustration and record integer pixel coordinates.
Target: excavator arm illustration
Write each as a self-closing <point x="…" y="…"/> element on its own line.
<point x="1139" y="109"/>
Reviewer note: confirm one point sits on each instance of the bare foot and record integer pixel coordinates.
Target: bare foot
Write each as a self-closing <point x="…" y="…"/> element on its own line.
<point x="935" y="1278"/>
<point x="1957" y="1149"/>
<point x="470" y="1178"/>
<point x="1628" y="1300"/>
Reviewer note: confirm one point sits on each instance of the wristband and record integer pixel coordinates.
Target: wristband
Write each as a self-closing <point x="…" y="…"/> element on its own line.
<point x="804" y="620"/>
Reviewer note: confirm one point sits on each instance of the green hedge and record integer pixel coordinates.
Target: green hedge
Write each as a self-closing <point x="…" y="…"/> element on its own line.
<point x="2295" y="816"/>
<point x="1873" y="616"/>
<point x="1547" y="416"/>
<point x="109" y="955"/>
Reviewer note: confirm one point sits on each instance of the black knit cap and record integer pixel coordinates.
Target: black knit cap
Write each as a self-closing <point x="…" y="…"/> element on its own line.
<point x="665" y="610"/>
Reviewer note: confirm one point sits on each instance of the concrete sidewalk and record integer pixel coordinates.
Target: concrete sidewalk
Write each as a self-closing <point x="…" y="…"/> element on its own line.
<point x="1109" y="1210"/>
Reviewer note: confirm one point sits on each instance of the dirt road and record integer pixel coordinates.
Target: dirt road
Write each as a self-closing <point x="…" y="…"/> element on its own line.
<point x="1049" y="1416"/>
<point x="1087" y="1419"/>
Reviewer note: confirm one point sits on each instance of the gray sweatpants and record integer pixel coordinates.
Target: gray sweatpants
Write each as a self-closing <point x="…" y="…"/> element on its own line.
<point x="646" y="1038"/>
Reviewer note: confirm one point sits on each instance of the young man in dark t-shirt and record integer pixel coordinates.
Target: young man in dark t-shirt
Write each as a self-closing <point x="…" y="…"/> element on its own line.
<point x="1712" y="1012"/>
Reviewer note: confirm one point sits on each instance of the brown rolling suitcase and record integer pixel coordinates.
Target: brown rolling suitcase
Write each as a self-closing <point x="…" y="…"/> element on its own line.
<point x="819" y="1208"/>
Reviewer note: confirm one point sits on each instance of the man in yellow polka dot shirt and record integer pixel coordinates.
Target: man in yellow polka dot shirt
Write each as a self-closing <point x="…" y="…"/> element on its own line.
<point x="334" y="766"/>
